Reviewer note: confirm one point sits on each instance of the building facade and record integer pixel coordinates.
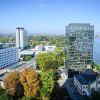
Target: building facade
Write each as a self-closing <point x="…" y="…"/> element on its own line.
<point x="8" y="56"/>
<point x="87" y="83"/>
<point x="79" y="39"/>
<point x="21" y="38"/>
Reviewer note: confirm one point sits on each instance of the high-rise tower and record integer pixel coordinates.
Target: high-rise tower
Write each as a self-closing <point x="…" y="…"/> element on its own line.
<point x="21" y="38"/>
<point x="79" y="39"/>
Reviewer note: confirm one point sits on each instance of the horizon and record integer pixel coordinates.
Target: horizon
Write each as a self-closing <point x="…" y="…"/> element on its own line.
<point x="47" y="16"/>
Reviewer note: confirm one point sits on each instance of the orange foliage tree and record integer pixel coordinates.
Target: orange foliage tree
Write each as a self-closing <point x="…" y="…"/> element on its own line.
<point x="12" y="84"/>
<point x="31" y="82"/>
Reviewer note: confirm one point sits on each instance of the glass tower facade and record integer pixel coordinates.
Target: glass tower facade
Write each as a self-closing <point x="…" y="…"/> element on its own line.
<point x="79" y="39"/>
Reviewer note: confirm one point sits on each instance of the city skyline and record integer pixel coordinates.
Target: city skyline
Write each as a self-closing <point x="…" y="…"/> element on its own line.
<point x="47" y="16"/>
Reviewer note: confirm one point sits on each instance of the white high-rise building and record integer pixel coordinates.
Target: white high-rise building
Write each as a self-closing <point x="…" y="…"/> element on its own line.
<point x="21" y="38"/>
<point x="8" y="56"/>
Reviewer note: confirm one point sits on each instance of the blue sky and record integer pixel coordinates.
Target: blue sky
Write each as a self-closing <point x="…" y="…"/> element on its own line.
<point x="47" y="16"/>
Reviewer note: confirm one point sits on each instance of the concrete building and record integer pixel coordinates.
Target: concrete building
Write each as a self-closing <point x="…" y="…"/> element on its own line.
<point x="21" y="38"/>
<point x="79" y="39"/>
<point x="87" y="82"/>
<point x="8" y="56"/>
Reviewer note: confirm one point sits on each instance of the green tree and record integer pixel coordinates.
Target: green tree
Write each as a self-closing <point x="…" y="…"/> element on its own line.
<point x="47" y="83"/>
<point x="5" y="96"/>
<point x="1" y="91"/>
<point x="27" y="58"/>
<point x="95" y="96"/>
<point x="27" y="98"/>
<point x="46" y="61"/>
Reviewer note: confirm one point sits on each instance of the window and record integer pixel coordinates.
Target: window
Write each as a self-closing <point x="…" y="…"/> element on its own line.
<point x="86" y="86"/>
<point x="92" y="89"/>
<point x="83" y="92"/>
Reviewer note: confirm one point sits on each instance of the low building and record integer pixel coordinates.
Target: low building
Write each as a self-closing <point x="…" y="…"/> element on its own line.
<point x="8" y="56"/>
<point x="49" y="48"/>
<point x="43" y="49"/>
<point x="26" y="53"/>
<point x="87" y="82"/>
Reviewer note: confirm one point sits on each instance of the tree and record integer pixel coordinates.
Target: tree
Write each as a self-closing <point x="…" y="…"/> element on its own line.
<point x="12" y="84"/>
<point x="28" y="98"/>
<point x="46" y="61"/>
<point x="1" y="91"/>
<point x="27" y="58"/>
<point x="59" y="60"/>
<point x="95" y="96"/>
<point x="31" y="82"/>
<point x="5" y="96"/>
<point x="47" y="83"/>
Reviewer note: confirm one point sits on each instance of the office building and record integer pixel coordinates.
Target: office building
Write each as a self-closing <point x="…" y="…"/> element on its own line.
<point x="21" y="38"/>
<point x="8" y="56"/>
<point x="79" y="39"/>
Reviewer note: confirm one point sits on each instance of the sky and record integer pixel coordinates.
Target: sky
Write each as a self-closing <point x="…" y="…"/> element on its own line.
<point x="47" y="16"/>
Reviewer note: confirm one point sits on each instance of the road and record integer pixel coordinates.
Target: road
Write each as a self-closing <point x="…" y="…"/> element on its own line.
<point x="31" y="63"/>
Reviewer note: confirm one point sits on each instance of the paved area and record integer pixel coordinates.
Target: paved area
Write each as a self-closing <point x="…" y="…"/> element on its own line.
<point x="63" y="78"/>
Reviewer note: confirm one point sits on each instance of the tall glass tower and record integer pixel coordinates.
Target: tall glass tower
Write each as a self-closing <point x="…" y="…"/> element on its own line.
<point x="79" y="39"/>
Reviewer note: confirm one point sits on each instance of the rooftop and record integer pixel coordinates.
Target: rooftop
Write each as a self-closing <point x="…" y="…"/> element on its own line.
<point x="86" y="77"/>
<point x="81" y="79"/>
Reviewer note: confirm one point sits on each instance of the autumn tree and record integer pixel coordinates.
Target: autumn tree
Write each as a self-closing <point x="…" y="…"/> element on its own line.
<point x="30" y="81"/>
<point x="12" y="84"/>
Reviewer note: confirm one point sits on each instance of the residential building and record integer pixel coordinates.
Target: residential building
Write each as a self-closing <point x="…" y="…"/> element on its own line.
<point x="79" y="39"/>
<point x="8" y="56"/>
<point x="87" y="82"/>
<point x="21" y="38"/>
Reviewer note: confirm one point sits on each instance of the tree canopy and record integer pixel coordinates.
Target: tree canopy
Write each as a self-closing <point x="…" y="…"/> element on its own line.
<point x="47" y="83"/>
<point x="27" y="58"/>
<point x="31" y="82"/>
<point x="12" y="84"/>
<point x="46" y="61"/>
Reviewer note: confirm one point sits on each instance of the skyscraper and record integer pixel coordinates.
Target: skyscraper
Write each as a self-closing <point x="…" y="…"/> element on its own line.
<point x="79" y="39"/>
<point x="21" y="38"/>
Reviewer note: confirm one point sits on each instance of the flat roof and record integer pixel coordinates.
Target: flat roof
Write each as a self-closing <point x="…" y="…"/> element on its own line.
<point x="25" y="52"/>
